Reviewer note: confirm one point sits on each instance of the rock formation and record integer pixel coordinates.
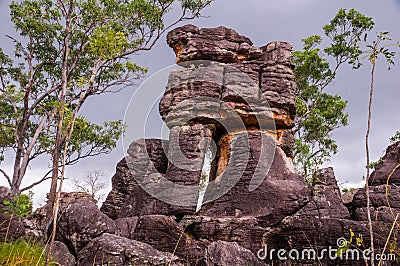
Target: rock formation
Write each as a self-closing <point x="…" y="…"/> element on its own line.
<point x="385" y="190"/>
<point x="237" y="101"/>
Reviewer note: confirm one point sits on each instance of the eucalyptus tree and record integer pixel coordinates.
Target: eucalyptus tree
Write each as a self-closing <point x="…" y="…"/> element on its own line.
<point x="67" y="51"/>
<point x="316" y="67"/>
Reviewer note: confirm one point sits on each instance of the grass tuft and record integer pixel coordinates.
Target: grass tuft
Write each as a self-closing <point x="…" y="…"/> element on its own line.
<point x="22" y="253"/>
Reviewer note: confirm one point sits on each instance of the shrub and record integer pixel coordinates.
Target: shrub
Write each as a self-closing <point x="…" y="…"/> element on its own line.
<point x="21" y="206"/>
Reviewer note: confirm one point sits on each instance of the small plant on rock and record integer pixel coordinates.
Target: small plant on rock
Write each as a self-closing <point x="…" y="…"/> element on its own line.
<point x="20" y="206"/>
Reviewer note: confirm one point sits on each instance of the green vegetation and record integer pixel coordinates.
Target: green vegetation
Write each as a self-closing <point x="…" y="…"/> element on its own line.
<point x="21" y="206"/>
<point x="319" y="113"/>
<point x="22" y="253"/>
<point x="316" y="67"/>
<point x="395" y="138"/>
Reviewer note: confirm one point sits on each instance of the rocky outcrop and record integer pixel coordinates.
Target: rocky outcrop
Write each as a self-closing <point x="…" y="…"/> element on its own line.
<point x="319" y="223"/>
<point x="82" y="222"/>
<point x="109" y="249"/>
<point x="62" y="255"/>
<point x="326" y="199"/>
<point x="222" y="253"/>
<point x="323" y="223"/>
<point x="384" y="190"/>
<point x="268" y="71"/>
<point x="387" y="171"/>
<point x="383" y="199"/>
<point x="236" y="102"/>
<point x="39" y="217"/>
<point x="245" y="231"/>
<point x="128" y="198"/>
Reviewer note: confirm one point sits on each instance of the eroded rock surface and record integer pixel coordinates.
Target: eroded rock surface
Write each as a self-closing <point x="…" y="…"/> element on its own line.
<point x="109" y="249"/>
<point x="147" y="162"/>
<point x="223" y="253"/>
<point x="388" y="164"/>
<point x="218" y="44"/>
<point x="281" y="193"/>
<point x="82" y="222"/>
<point x="62" y="255"/>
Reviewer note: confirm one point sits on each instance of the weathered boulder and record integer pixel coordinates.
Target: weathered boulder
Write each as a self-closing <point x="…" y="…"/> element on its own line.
<point x="347" y="197"/>
<point x="223" y="253"/>
<point x="109" y="249"/>
<point x="245" y="231"/>
<point x="40" y="215"/>
<point x="382" y="195"/>
<point x="385" y="203"/>
<point x="388" y="164"/>
<point x="161" y="232"/>
<point x="32" y="230"/>
<point x="383" y="189"/>
<point x="11" y="227"/>
<point x="126" y="226"/>
<point x="322" y="213"/>
<point x="61" y="254"/>
<point x="218" y="44"/>
<point x="381" y="214"/>
<point x="81" y="222"/>
<point x="165" y="234"/>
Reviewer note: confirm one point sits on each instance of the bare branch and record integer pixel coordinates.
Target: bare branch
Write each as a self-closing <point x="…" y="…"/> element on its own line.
<point x="19" y="45"/>
<point x="26" y="157"/>
<point x="6" y="176"/>
<point x="90" y="183"/>
<point x="44" y="178"/>
<point x="42" y="97"/>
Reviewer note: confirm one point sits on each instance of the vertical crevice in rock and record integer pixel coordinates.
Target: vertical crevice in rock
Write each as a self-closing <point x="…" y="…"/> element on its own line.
<point x="205" y="176"/>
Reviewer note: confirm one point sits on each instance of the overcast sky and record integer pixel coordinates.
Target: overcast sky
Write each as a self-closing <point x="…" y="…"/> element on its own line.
<point x="265" y="21"/>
